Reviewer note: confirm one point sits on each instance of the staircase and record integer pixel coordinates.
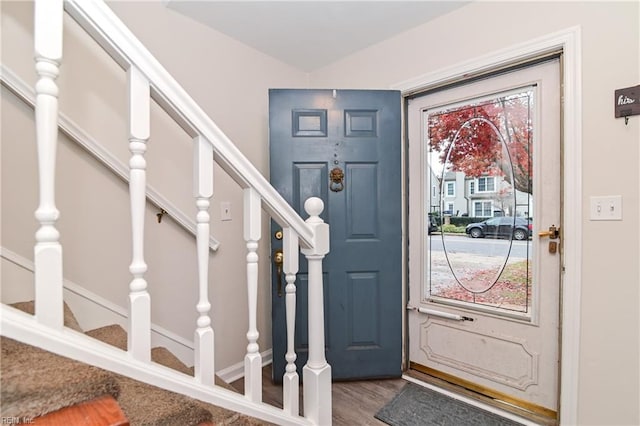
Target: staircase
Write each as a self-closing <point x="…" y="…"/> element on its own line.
<point x="72" y="386"/>
<point x="129" y="362"/>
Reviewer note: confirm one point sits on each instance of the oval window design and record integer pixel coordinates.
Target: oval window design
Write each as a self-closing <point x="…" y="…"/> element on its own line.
<point x="477" y="266"/>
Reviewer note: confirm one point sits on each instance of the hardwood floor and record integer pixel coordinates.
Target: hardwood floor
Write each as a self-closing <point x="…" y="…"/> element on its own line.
<point x="102" y="411"/>
<point x="354" y="403"/>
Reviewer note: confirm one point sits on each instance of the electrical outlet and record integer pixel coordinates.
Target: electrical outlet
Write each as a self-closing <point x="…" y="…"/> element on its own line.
<point x="606" y="208"/>
<point x="225" y="211"/>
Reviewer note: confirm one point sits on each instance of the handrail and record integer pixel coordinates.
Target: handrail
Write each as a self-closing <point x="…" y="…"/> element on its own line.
<point x="25" y="93"/>
<point x="125" y="48"/>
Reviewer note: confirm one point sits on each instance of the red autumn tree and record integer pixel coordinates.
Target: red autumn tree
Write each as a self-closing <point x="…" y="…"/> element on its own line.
<point x="478" y="150"/>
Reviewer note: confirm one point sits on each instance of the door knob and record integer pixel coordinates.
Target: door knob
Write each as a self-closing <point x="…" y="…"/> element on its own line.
<point x="278" y="259"/>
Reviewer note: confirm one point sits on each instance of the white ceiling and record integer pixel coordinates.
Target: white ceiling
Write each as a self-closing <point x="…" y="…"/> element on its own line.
<point x="311" y="34"/>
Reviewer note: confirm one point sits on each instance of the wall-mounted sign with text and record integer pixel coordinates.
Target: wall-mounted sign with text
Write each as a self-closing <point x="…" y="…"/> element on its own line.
<point x="627" y="101"/>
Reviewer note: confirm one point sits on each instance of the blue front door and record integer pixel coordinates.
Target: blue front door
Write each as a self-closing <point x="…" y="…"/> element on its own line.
<point x="344" y="146"/>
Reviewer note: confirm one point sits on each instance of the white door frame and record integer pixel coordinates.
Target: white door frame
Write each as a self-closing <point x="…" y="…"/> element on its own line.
<point x="569" y="42"/>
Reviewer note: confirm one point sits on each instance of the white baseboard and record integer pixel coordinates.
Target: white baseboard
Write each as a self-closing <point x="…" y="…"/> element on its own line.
<point x="236" y="371"/>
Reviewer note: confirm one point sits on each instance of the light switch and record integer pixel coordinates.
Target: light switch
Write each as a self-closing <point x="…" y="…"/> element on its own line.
<point x="606" y="207"/>
<point x="225" y="210"/>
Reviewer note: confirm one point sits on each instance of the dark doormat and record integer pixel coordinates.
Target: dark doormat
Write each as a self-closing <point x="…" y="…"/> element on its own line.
<point x="420" y="406"/>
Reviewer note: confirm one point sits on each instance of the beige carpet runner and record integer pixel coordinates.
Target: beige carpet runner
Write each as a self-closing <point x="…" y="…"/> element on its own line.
<point x="35" y="382"/>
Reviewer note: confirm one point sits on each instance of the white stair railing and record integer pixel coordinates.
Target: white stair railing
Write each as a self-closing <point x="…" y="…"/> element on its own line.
<point x="139" y="331"/>
<point x="48" y="251"/>
<point x="253" y="359"/>
<point x="147" y="79"/>
<point x="290" y="381"/>
<point x="204" y="341"/>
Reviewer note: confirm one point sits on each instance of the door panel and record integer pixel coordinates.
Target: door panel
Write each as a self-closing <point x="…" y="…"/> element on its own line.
<point x="309" y="180"/>
<point x="491" y="148"/>
<point x="311" y="133"/>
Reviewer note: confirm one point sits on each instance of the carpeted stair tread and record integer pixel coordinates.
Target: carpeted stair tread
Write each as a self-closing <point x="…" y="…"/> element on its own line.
<point x="164" y="356"/>
<point x="116" y="336"/>
<point x="144" y="404"/>
<point x="69" y="319"/>
<point x="217" y="380"/>
<point x="113" y="334"/>
<point x="35" y="382"/>
<point x="242" y="420"/>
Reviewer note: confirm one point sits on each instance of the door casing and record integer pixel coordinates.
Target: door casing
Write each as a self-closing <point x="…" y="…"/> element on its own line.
<point x="568" y="43"/>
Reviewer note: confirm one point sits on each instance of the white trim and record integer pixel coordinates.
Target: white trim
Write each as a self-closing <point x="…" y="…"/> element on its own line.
<point x="569" y="40"/>
<point x="236" y="371"/>
<point x="450" y="184"/>
<point x="474" y="212"/>
<point x="69" y="343"/>
<point x="486" y="178"/>
<point x="25" y="93"/>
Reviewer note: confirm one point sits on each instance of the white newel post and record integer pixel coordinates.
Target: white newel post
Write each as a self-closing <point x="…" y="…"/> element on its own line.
<point x="253" y="359"/>
<point x="203" y="191"/>
<point x="316" y="373"/>
<point x="47" y="250"/>
<point x="139" y="333"/>
<point x="290" y="381"/>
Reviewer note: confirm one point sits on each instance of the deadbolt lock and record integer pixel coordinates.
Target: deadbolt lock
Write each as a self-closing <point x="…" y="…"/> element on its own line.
<point x="278" y="235"/>
<point x="278" y="257"/>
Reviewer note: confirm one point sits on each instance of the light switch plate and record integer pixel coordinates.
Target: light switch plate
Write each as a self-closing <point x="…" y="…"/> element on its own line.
<point x="607" y="207"/>
<point x="225" y="211"/>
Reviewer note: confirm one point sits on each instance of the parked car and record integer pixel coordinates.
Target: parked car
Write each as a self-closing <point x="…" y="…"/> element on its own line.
<point x="432" y="224"/>
<point x="497" y="227"/>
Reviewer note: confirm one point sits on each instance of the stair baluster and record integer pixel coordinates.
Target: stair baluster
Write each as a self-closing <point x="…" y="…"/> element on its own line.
<point x="316" y="374"/>
<point x="47" y="250"/>
<point x="204" y="341"/>
<point x="139" y="101"/>
<point x="253" y="359"/>
<point x="290" y="381"/>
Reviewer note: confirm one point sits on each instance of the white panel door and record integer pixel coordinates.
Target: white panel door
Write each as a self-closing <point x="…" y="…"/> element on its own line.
<point x="484" y="285"/>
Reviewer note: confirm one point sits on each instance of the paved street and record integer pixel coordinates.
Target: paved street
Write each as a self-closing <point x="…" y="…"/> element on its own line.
<point x="457" y="244"/>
